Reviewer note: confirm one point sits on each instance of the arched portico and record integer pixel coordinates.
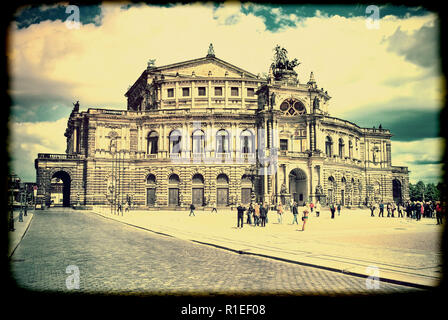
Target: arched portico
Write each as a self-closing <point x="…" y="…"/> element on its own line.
<point x="60" y="187"/>
<point x="298" y="187"/>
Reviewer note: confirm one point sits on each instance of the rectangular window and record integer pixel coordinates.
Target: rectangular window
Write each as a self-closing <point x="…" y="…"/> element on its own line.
<point x="170" y="93"/>
<point x="185" y="92"/>
<point x="201" y="91"/>
<point x="234" y="92"/>
<point x="284" y="144"/>
<point x="218" y="91"/>
<point x="250" y="92"/>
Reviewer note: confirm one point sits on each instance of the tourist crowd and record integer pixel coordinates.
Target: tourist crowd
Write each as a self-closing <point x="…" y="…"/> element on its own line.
<point x="413" y="209"/>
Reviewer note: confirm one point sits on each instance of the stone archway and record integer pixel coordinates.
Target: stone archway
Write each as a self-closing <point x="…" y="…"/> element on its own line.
<point x="397" y="191"/>
<point x="298" y="187"/>
<point x="63" y="188"/>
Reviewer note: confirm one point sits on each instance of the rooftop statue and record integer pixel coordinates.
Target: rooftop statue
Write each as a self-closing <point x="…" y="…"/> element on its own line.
<point x="282" y="68"/>
<point x="281" y="60"/>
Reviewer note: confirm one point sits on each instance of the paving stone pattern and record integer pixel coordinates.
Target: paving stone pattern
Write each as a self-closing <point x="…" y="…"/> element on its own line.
<point x="117" y="258"/>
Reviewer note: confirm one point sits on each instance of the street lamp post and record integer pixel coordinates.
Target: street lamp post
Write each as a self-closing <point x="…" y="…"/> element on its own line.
<point x="251" y="172"/>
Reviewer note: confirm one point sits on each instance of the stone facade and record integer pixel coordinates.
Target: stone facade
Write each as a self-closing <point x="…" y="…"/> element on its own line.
<point x="207" y="132"/>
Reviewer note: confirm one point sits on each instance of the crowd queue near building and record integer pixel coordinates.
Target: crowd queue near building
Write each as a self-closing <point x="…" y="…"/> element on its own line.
<point x="257" y="214"/>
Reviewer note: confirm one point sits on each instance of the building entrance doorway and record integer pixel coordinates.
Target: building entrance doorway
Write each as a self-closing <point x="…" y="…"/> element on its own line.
<point x="298" y="186"/>
<point x="60" y="188"/>
<point x="150" y="197"/>
<point x="396" y="191"/>
<point x="173" y="196"/>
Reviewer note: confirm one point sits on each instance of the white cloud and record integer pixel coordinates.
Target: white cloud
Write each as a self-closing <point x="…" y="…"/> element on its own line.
<point x="420" y="157"/>
<point x="27" y="139"/>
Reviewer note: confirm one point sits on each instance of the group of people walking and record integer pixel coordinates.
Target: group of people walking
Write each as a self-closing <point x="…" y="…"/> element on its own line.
<point x="414" y="210"/>
<point x="259" y="213"/>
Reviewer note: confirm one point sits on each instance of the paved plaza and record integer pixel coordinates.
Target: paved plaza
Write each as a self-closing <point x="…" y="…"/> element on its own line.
<point x="116" y="257"/>
<point x="401" y="249"/>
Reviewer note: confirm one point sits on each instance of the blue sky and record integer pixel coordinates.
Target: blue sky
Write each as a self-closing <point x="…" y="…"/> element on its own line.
<point x="390" y="75"/>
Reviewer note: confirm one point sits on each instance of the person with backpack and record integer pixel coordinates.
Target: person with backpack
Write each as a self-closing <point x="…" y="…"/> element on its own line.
<point x="192" y="210"/>
<point x="333" y="210"/>
<point x="381" y="214"/>
<point x="263" y="214"/>
<point x="240" y="211"/>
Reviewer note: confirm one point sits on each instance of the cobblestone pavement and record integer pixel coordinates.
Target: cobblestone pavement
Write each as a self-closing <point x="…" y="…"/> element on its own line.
<point x="116" y="258"/>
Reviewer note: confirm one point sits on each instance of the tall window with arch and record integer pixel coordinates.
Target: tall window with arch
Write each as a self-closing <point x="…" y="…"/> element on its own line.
<point x="222" y="141"/>
<point x="350" y="149"/>
<point x="341" y="148"/>
<point x="198" y="138"/>
<point x="328" y="146"/>
<point x="153" y="141"/>
<point x="247" y="141"/>
<point x="175" y="142"/>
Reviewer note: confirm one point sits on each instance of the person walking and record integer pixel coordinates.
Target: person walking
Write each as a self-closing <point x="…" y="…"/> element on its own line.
<point x="311" y="207"/>
<point x="250" y="211"/>
<point x="305" y="216"/>
<point x="400" y="210"/>
<point x="339" y="209"/>
<point x="266" y="207"/>
<point x="381" y="214"/>
<point x="418" y="210"/>
<point x="263" y="215"/>
<point x="240" y="209"/>
<point x="408" y="210"/>
<point x="214" y="208"/>
<point x="372" y="209"/>
<point x="439" y="213"/>
<point x="422" y="209"/>
<point x="317" y="208"/>
<point x="295" y="212"/>
<point x="192" y="210"/>
<point x="393" y="208"/>
<point x="280" y="213"/>
<point x="414" y="210"/>
<point x="257" y="214"/>
<point x="388" y="209"/>
<point x="333" y="210"/>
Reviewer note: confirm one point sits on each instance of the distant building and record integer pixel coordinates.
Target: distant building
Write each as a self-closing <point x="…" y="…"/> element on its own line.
<point x="207" y="132"/>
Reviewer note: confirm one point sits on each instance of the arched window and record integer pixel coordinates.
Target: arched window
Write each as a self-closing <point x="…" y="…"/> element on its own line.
<point x="152" y="145"/>
<point x="341" y="148"/>
<point x="174" y="179"/>
<point x="151" y="179"/>
<point x="350" y="149"/>
<point x="328" y="146"/>
<point x="175" y="142"/>
<point x="222" y="179"/>
<point x="247" y="141"/>
<point x="198" y="141"/>
<point x="222" y="141"/>
<point x="198" y="179"/>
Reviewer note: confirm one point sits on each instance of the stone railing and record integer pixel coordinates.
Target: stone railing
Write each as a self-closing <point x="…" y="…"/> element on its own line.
<point x="56" y="156"/>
